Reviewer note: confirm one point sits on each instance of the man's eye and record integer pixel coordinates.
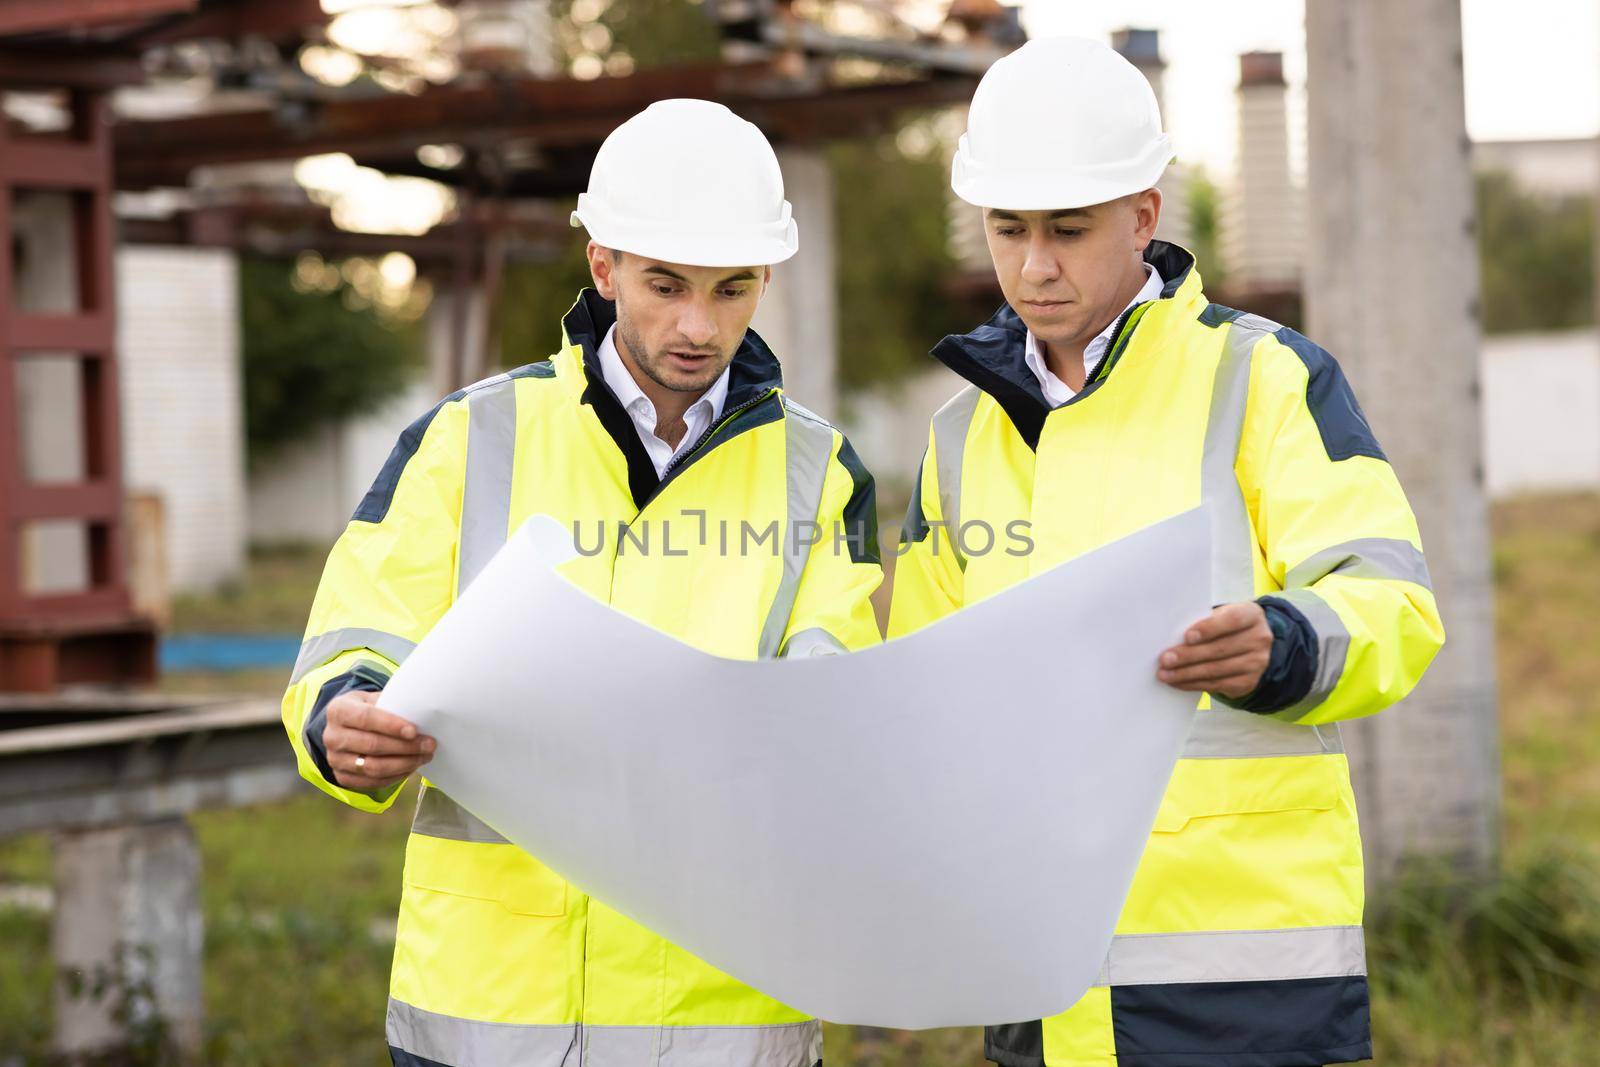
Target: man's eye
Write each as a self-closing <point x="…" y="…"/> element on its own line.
<point x="733" y="294"/>
<point x="663" y="290"/>
<point x="1069" y="233"/>
<point x="1007" y="231"/>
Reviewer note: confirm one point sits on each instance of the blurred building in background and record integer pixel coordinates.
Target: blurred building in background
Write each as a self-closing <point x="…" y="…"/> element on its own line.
<point x="1263" y="234"/>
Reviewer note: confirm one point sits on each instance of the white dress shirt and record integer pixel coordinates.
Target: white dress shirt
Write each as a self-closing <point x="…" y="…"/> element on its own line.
<point x="701" y="414"/>
<point x="1058" y="392"/>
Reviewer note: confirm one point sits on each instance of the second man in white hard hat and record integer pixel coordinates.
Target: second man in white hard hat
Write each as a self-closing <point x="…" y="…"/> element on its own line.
<point x="704" y="502"/>
<point x="1106" y="394"/>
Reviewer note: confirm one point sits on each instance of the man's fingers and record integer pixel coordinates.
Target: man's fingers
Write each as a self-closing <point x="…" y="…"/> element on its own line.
<point x="1230" y="618"/>
<point x="375" y="767"/>
<point x="1233" y="688"/>
<point x="1224" y="647"/>
<point x="367" y="743"/>
<point x="1250" y="663"/>
<point x="364" y="714"/>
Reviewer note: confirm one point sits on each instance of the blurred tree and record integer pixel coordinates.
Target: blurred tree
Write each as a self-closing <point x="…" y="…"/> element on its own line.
<point x="618" y="35"/>
<point x="1536" y="254"/>
<point x="315" y="350"/>
<point x="533" y="299"/>
<point x="1205" y="229"/>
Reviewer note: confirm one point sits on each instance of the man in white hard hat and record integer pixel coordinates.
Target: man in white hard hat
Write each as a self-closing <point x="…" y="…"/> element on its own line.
<point x="1108" y="394"/>
<point x="750" y="533"/>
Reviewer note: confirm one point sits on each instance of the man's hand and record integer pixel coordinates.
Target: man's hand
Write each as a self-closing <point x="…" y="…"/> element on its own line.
<point x="367" y="747"/>
<point x="1224" y="653"/>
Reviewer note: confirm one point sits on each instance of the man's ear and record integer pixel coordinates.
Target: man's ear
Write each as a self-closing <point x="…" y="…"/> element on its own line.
<point x="603" y="269"/>
<point x="1147" y="214"/>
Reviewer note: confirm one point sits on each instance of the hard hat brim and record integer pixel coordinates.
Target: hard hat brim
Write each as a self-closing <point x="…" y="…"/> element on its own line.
<point x="1012" y="189"/>
<point x="692" y="249"/>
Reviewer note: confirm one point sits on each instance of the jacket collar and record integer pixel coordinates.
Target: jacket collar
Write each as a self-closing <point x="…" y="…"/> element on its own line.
<point x="993" y="357"/>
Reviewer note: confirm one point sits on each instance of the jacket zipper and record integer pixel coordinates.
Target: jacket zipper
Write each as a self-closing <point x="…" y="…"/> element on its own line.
<point x="727" y="417"/>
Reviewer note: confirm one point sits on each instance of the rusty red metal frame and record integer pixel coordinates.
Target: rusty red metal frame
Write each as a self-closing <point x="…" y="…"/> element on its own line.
<point x="91" y="634"/>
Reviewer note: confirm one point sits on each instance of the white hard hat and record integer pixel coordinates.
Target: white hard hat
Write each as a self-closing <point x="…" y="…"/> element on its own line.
<point x="1061" y="122"/>
<point x="688" y="181"/>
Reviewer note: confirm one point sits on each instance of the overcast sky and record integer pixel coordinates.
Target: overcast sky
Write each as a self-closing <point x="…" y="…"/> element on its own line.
<point x="1532" y="66"/>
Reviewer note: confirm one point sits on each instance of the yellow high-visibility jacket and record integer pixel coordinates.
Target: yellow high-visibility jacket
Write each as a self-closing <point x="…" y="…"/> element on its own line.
<point x="498" y="961"/>
<point x="1240" y="942"/>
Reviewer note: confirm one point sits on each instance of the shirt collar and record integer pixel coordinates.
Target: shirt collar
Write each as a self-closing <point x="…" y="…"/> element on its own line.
<point x="627" y="391"/>
<point x="1057" y="391"/>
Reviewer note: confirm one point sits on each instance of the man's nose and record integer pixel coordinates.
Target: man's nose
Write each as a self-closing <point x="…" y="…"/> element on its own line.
<point x="697" y="325"/>
<point x="1040" y="266"/>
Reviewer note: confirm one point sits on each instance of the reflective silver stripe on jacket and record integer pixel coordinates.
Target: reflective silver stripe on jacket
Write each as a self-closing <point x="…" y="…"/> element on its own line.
<point x="470" y="1043"/>
<point x="1232" y="568"/>
<point x="777" y="1045"/>
<point x="486" y="494"/>
<point x="1223" y="733"/>
<point x="316" y="651"/>
<point x="1235" y="956"/>
<point x="1365" y="557"/>
<point x="809" y="444"/>
<point x="950" y="425"/>
<point x="439" y="816"/>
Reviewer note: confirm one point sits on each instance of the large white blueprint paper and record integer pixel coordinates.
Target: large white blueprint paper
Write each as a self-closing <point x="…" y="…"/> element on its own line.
<point x="939" y="831"/>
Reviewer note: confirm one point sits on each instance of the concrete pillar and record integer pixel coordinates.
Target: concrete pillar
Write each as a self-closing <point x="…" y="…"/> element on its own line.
<point x="1392" y="291"/>
<point x="799" y="315"/>
<point x="1142" y="48"/>
<point x="128" y="921"/>
<point x="1262" y="208"/>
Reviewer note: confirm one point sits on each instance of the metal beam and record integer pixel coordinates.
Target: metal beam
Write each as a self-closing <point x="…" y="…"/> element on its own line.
<point x="554" y="112"/>
<point x="277" y="20"/>
<point x="38" y="16"/>
<point x="73" y="70"/>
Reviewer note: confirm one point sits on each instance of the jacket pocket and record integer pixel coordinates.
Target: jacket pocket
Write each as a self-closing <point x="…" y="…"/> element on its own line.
<point x="499" y="872"/>
<point x="1204" y="788"/>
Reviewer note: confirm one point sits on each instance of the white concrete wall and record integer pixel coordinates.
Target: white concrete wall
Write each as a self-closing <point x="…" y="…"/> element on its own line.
<point x="1553" y="168"/>
<point x="182" y="404"/>
<point x="1541" y="412"/>
<point x="309" y="493"/>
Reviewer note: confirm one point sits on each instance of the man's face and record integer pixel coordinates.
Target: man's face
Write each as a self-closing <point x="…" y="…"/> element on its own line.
<point x="1067" y="273"/>
<point x="680" y="325"/>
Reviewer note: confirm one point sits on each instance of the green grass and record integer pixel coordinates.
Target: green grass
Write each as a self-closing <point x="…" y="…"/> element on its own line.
<point x="273" y="597"/>
<point x="298" y="896"/>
